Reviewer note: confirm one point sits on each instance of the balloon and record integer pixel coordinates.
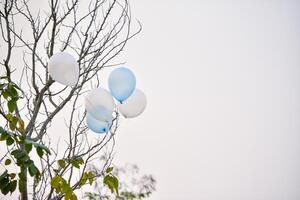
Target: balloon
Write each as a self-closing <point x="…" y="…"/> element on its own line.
<point x="121" y="83"/>
<point x="100" y="104"/>
<point x="134" y="105"/>
<point x="101" y="113"/>
<point x="96" y="125"/>
<point x="64" y="69"/>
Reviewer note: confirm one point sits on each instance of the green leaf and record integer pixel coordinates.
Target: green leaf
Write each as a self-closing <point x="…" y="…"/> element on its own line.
<point x="87" y="176"/>
<point x="12" y="121"/>
<point x="27" y="162"/>
<point x="9" y="116"/>
<point x="4" y="179"/>
<point x="12" y="126"/>
<point x="90" y="177"/>
<point x="7" y="162"/>
<point x="2" y="130"/>
<point x="5" y="94"/>
<point x="9" y="141"/>
<point x="16" y="152"/>
<point x="70" y="196"/>
<point x="73" y="197"/>
<point x="83" y="179"/>
<point x="65" y="187"/>
<point x="112" y="182"/>
<point x="5" y="190"/>
<point x="109" y="169"/>
<point x="75" y="163"/>
<point x="80" y="160"/>
<point x="61" y="186"/>
<point x="108" y="183"/>
<point x="13" y="186"/>
<point x="33" y="170"/>
<point x="39" y="151"/>
<point x="21" y="125"/>
<point x="21" y="156"/>
<point x="12" y="105"/>
<point x="13" y="92"/>
<point x="28" y="147"/>
<point x="115" y="182"/>
<point x="4" y="182"/>
<point x="61" y="163"/>
<point x="3" y="136"/>
<point x="55" y="181"/>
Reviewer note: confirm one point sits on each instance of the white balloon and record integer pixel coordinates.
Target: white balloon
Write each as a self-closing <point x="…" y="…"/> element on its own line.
<point x="134" y="105"/>
<point x="64" y="68"/>
<point x="100" y="113"/>
<point x="100" y="104"/>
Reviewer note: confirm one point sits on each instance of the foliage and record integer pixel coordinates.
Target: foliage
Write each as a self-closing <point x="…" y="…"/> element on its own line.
<point x="111" y="181"/>
<point x="132" y="185"/>
<point x="7" y="183"/>
<point x="62" y="187"/>
<point x="19" y="146"/>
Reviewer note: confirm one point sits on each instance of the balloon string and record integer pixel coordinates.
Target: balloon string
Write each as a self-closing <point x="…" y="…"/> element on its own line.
<point x="118" y="111"/>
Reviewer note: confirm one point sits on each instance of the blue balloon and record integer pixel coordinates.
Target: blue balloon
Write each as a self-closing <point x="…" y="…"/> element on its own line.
<point x="121" y="83"/>
<point x="96" y="125"/>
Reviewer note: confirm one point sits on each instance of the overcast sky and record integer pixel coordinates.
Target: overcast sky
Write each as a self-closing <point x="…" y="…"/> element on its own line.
<point x="222" y="79"/>
<point x="223" y="85"/>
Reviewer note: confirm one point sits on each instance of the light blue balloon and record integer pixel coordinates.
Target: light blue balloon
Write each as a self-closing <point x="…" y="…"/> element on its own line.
<point x="121" y="83"/>
<point x="96" y="125"/>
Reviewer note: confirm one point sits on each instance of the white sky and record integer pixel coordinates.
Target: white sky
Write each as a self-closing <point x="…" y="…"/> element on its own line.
<point x="223" y="85"/>
<point x="222" y="80"/>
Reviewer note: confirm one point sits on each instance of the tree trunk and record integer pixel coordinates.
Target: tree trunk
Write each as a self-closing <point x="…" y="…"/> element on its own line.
<point x="23" y="179"/>
<point x="24" y="193"/>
